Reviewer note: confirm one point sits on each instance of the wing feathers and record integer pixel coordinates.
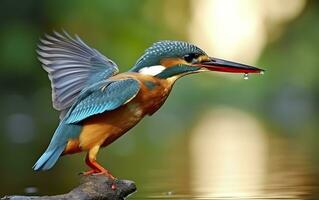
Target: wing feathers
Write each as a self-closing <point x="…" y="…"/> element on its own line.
<point x="115" y="94"/>
<point x="71" y="65"/>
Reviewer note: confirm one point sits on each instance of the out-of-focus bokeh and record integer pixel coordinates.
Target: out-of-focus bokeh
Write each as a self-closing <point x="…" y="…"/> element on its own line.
<point x="217" y="136"/>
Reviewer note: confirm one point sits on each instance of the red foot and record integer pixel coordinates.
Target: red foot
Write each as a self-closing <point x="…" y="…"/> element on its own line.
<point x="97" y="169"/>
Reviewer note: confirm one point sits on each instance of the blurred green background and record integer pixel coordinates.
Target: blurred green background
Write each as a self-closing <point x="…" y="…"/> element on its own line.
<point x="217" y="135"/>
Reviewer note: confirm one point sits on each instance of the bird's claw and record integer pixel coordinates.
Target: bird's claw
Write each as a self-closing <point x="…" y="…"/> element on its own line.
<point x="89" y="172"/>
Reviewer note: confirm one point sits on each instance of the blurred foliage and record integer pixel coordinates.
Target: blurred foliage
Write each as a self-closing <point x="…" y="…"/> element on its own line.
<point x="286" y="96"/>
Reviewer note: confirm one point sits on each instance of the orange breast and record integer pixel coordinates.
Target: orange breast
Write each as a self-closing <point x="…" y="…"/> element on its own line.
<point x="104" y="128"/>
<point x="150" y="100"/>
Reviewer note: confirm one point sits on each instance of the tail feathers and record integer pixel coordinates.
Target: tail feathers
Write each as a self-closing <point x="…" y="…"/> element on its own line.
<point x="48" y="158"/>
<point x="57" y="145"/>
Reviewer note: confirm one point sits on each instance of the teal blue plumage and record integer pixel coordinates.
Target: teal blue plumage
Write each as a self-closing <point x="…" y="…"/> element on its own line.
<point x="115" y="94"/>
<point x="165" y="49"/>
<point x="178" y="69"/>
<point x="62" y="134"/>
<point x="92" y="101"/>
<point x="75" y="67"/>
<point x="83" y="86"/>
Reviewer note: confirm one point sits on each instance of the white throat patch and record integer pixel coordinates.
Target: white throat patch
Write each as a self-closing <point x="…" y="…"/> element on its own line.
<point x="152" y="70"/>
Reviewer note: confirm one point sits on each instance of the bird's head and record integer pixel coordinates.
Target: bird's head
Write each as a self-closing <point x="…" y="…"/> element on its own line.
<point x="173" y="59"/>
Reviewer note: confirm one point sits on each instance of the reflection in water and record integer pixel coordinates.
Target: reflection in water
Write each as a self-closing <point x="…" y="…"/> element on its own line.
<point x="228" y="155"/>
<point x="231" y="156"/>
<point x="291" y="171"/>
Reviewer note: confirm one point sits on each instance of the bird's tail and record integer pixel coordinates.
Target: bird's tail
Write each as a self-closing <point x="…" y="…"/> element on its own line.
<point x="63" y="133"/>
<point x="48" y="158"/>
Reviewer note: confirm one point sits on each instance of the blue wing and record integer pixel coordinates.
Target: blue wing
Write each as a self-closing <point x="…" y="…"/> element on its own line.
<point x="71" y="65"/>
<point x="101" y="97"/>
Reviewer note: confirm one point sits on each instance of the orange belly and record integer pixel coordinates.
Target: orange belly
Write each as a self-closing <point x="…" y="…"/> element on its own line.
<point x="103" y="129"/>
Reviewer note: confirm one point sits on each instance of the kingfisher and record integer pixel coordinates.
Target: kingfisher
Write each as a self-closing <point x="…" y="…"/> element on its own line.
<point x="97" y="104"/>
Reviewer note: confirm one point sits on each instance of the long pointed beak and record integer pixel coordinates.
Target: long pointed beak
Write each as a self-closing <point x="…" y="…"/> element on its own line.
<point x="215" y="64"/>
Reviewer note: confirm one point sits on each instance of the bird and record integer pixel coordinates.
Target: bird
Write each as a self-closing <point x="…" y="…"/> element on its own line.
<point x="97" y="104"/>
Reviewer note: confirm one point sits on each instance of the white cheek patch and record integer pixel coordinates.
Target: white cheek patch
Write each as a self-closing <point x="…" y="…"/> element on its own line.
<point x="152" y="70"/>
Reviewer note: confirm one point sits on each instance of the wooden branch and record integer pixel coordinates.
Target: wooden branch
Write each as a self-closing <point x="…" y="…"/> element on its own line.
<point x="91" y="188"/>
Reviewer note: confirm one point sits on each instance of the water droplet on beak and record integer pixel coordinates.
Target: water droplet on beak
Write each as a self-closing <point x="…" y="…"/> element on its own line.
<point x="246" y="76"/>
<point x="262" y="72"/>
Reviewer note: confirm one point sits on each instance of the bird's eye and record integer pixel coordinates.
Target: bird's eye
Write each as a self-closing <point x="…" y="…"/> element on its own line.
<point x="191" y="58"/>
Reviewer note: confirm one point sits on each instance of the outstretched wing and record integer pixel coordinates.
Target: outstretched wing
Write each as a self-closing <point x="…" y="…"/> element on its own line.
<point x="101" y="97"/>
<point x="71" y="65"/>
